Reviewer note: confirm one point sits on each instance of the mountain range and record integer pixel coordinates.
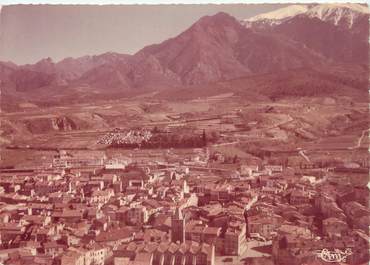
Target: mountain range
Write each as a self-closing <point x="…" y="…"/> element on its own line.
<point x="216" y="49"/>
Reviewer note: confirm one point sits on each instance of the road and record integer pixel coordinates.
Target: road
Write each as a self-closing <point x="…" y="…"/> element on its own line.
<point x="301" y="152"/>
<point x="225" y="144"/>
<point x="250" y="256"/>
<point x="361" y="137"/>
<point x="358" y="144"/>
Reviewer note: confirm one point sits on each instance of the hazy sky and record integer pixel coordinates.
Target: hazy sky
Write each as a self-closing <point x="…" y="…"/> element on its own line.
<point x="29" y="33"/>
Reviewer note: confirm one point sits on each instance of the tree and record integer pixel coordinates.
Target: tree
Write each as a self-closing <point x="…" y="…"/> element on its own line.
<point x="215" y="136"/>
<point x="204" y="137"/>
<point x="155" y="130"/>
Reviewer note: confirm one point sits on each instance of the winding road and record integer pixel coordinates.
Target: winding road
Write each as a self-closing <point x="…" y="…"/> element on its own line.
<point x="358" y="145"/>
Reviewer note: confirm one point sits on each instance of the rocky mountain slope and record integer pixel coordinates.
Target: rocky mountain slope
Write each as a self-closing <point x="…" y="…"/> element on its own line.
<point x="337" y="31"/>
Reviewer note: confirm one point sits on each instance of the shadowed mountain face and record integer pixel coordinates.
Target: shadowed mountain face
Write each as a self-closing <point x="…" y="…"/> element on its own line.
<point x="336" y="43"/>
<point x="218" y="47"/>
<point x="214" y="49"/>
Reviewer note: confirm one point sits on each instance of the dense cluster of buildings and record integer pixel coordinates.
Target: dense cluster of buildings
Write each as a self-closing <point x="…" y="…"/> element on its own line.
<point x="131" y="137"/>
<point x="95" y="210"/>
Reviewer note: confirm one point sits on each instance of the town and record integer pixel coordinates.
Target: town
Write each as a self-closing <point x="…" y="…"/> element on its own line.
<point x="205" y="134"/>
<point x="86" y="208"/>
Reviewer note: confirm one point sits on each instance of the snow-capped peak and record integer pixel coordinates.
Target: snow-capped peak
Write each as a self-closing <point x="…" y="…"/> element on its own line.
<point x="342" y="13"/>
<point x="281" y="13"/>
<point x="338" y="14"/>
<point x="324" y="8"/>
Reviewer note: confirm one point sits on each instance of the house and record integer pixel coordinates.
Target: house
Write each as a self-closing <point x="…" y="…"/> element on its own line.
<point x="235" y="239"/>
<point x="121" y="213"/>
<point x="263" y="225"/>
<point x="299" y="197"/>
<point x="68" y="215"/>
<point x="248" y="170"/>
<point x="358" y="215"/>
<point x="117" y="163"/>
<point x="153" y="206"/>
<point x="27" y="258"/>
<point x="210" y="234"/>
<point x="73" y="257"/>
<point x="135" y="178"/>
<point x="44" y="188"/>
<point x="269" y="190"/>
<point x="328" y="207"/>
<point x="53" y="249"/>
<point x="334" y="227"/>
<point x="10" y="231"/>
<point x="115" y="237"/>
<point x="273" y="168"/>
<point x="96" y="254"/>
<point x="101" y="196"/>
<point x="361" y="247"/>
<point x="195" y="234"/>
<point x="169" y="253"/>
<point x="137" y="215"/>
<point x="34" y="219"/>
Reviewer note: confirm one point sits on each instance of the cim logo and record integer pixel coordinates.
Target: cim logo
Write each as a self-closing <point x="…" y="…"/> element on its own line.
<point x="335" y="255"/>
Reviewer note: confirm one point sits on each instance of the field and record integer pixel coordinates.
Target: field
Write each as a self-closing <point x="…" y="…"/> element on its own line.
<point x="315" y="125"/>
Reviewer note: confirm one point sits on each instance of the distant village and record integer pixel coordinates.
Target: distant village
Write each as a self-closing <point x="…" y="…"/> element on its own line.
<point x="154" y="138"/>
<point x="91" y="209"/>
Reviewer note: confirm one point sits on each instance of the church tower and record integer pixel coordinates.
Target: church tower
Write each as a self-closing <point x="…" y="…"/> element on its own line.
<point x="178" y="227"/>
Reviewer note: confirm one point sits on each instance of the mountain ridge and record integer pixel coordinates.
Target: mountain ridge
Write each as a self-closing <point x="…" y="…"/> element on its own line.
<point x="341" y="14"/>
<point x="337" y="31"/>
<point x="214" y="49"/>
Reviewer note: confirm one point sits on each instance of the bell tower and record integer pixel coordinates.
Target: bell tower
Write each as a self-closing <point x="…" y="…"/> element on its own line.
<point x="178" y="227"/>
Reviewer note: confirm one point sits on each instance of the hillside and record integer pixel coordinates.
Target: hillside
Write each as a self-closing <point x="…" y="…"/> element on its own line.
<point x="342" y="80"/>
